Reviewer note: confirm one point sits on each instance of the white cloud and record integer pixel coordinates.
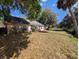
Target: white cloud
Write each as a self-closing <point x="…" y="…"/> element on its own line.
<point x="44" y="0"/>
<point x="54" y="5"/>
<point x="41" y="4"/>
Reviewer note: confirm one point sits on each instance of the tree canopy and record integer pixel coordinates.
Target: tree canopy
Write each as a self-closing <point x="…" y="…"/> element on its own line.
<point x="48" y="18"/>
<point x="31" y="8"/>
<point x="64" y="4"/>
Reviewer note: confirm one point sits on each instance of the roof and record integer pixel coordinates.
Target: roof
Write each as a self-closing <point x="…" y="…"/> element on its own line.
<point x="16" y="19"/>
<point x="35" y="23"/>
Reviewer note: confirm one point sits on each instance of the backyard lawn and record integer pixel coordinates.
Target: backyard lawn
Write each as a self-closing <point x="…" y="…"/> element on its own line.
<point x="51" y="45"/>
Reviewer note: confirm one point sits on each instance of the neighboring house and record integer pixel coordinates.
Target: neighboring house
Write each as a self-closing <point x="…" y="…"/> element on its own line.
<point x="16" y="24"/>
<point x="38" y="26"/>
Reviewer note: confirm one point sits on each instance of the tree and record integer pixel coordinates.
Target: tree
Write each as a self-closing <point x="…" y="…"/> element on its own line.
<point x="67" y="23"/>
<point x="76" y="13"/>
<point x="31" y="8"/>
<point x="64" y="4"/>
<point x="48" y="18"/>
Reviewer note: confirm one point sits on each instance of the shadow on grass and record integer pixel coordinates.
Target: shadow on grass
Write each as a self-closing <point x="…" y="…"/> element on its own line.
<point x="73" y="33"/>
<point x="57" y="30"/>
<point x="12" y="45"/>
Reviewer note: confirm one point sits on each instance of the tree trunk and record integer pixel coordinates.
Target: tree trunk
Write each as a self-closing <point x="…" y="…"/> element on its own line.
<point x="5" y="12"/>
<point x="74" y="21"/>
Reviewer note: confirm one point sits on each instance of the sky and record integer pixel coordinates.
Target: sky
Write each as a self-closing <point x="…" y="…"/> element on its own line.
<point x="51" y="4"/>
<point x="17" y="13"/>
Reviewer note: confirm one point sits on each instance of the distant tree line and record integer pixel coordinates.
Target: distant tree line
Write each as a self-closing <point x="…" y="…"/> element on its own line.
<point x="48" y="18"/>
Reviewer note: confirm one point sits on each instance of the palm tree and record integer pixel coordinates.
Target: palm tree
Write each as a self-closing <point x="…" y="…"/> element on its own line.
<point x="67" y="4"/>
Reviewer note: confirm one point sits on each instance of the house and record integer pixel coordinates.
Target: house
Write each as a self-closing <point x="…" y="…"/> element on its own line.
<point x="38" y="26"/>
<point x="15" y="24"/>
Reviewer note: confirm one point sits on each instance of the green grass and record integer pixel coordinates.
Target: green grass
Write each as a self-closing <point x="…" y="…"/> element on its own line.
<point x="74" y="40"/>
